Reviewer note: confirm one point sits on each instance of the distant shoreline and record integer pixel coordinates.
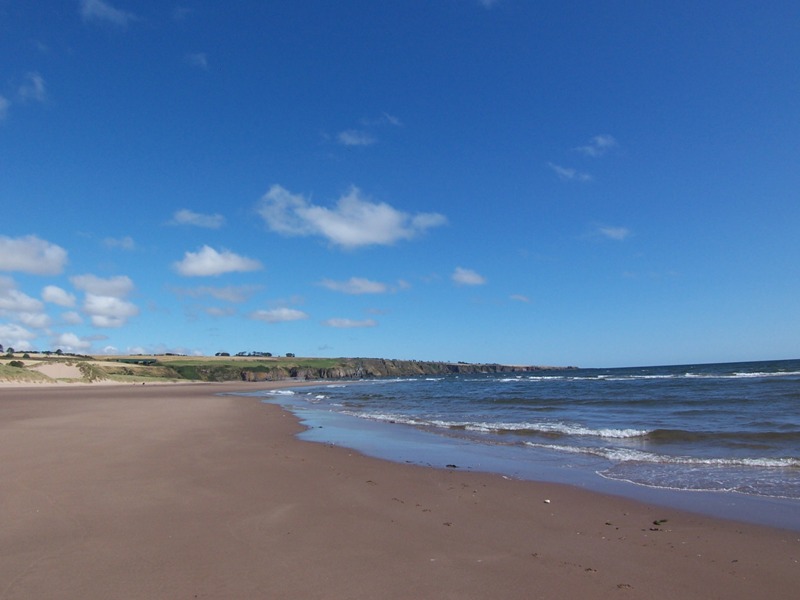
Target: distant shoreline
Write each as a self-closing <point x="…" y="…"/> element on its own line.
<point x="36" y="367"/>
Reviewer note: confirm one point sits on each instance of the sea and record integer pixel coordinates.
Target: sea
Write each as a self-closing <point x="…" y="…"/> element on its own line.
<point x="717" y="438"/>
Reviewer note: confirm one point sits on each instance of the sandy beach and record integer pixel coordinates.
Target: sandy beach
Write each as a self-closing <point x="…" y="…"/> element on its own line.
<point x="173" y="491"/>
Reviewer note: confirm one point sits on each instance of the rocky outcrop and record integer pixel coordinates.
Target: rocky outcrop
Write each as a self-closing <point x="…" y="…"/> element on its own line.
<point x="377" y="368"/>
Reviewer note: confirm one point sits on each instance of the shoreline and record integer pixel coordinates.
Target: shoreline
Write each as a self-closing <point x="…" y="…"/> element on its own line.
<point x="401" y="443"/>
<point x="170" y="490"/>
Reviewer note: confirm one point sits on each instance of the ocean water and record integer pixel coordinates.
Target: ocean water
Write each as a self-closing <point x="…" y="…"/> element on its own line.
<point x="731" y="428"/>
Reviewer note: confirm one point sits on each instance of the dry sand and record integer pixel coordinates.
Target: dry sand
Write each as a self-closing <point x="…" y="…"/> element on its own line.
<point x="171" y="492"/>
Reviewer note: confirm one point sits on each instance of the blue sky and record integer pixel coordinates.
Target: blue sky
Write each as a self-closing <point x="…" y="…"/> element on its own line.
<point x="587" y="183"/>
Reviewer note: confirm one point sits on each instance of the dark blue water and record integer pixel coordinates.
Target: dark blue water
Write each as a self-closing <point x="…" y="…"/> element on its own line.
<point x="731" y="428"/>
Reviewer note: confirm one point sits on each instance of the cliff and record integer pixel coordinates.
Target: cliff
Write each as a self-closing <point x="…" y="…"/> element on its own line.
<point x="368" y="368"/>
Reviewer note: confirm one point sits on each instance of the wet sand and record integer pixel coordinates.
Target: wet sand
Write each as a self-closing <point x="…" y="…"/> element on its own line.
<point x="171" y="491"/>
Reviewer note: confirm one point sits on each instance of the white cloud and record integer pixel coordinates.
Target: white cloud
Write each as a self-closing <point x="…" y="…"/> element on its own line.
<point x="125" y="243"/>
<point x="568" y="173"/>
<point x="20" y="307"/>
<point x="231" y="293"/>
<point x="218" y="311"/>
<point x="355" y="137"/>
<point x="15" y="336"/>
<point x="32" y="88"/>
<point x="119" y="286"/>
<point x="104" y="301"/>
<point x="519" y="298"/>
<point x="350" y="323"/>
<point x="278" y="315"/>
<point x="355" y="285"/>
<point x="464" y="276"/>
<point x="189" y="217"/>
<point x="598" y="145"/>
<point x="108" y="311"/>
<point x="32" y="255"/>
<point x="198" y="59"/>
<point x="354" y="222"/>
<point x="69" y="342"/>
<point x="14" y="301"/>
<point x="614" y="233"/>
<point x="98" y="10"/>
<point x="207" y="261"/>
<point x="56" y="295"/>
<point x="37" y="320"/>
<point x="72" y="318"/>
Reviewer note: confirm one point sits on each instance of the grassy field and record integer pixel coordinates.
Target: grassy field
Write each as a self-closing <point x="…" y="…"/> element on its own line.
<point x="162" y="367"/>
<point x="144" y="368"/>
<point x="231" y="361"/>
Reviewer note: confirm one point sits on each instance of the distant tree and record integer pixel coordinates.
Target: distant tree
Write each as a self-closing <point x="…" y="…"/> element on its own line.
<point x="26" y="355"/>
<point x="1" y="347"/>
<point x="59" y="352"/>
<point x="17" y="363"/>
<point x="10" y="350"/>
<point x="222" y="354"/>
<point x="290" y="355"/>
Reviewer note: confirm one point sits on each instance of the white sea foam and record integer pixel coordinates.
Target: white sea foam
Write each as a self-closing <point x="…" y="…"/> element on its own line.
<point x="501" y="427"/>
<point x="386" y="418"/>
<point x="560" y="428"/>
<point x="620" y="455"/>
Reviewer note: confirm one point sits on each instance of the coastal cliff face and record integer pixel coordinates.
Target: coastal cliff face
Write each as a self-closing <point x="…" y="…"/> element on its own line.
<point x="139" y="368"/>
<point x="377" y="368"/>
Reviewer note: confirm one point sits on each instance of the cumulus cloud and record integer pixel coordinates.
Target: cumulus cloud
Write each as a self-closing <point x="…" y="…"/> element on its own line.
<point x="355" y="285"/>
<point x="350" y="323"/>
<point x="118" y="286"/>
<point x="279" y="315"/>
<point x="32" y="255"/>
<point x="98" y="10"/>
<point x="104" y="302"/>
<point x="568" y="173"/>
<point x="69" y="342"/>
<point x="14" y="301"/>
<point x="207" y="262"/>
<point x="614" y="233"/>
<point x="36" y="320"/>
<point x="598" y="145"/>
<point x="464" y="276"/>
<point x="15" y="336"/>
<point x="355" y="220"/>
<point x="72" y="318"/>
<point x="189" y="217"/>
<point x="108" y="311"/>
<point x="355" y="137"/>
<point x="20" y="307"/>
